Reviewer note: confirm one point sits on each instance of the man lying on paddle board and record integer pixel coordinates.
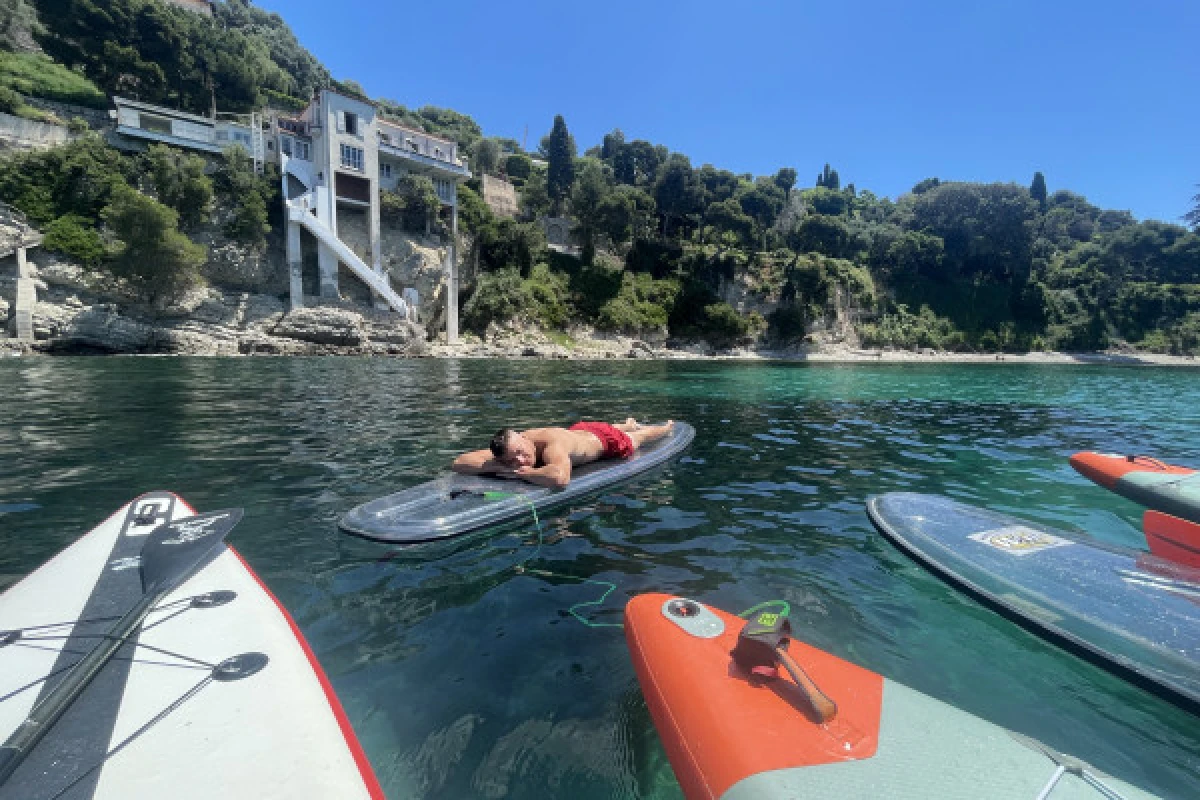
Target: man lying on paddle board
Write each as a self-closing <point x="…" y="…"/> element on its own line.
<point x="545" y="456"/>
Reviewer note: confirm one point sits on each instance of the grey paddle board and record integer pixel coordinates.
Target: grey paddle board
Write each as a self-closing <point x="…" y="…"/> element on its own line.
<point x="1124" y="609"/>
<point x="456" y="504"/>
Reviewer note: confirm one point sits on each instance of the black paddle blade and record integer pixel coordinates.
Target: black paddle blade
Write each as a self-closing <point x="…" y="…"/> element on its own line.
<point x="759" y="640"/>
<point x="174" y="549"/>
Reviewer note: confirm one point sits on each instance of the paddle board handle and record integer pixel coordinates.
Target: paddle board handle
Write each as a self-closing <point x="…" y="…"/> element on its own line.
<point x="824" y="708"/>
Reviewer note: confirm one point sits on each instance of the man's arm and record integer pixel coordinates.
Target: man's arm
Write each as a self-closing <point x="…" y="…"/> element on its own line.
<point x="480" y="462"/>
<point x="556" y="473"/>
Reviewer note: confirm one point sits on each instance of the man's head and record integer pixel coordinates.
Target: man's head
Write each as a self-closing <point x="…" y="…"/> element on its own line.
<point x="513" y="449"/>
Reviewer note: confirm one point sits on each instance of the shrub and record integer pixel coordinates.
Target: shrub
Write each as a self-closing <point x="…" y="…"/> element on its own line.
<point x="180" y="182"/>
<point x="250" y="194"/>
<point x="10" y="102"/>
<point x="905" y="330"/>
<point x="499" y="297"/>
<point x="549" y="296"/>
<point x="158" y="261"/>
<point x="74" y="236"/>
<point x="787" y="324"/>
<point x="518" y="166"/>
<point x="641" y="305"/>
<point x="77" y="125"/>
<point x="76" y="178"/>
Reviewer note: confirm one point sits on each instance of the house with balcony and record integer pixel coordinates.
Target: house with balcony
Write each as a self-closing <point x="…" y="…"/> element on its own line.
<point x="335" y="155"/>
<point x="338" y="154"/>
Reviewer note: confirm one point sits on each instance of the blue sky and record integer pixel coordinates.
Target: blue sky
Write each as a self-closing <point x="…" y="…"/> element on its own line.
<point x="1101" y="96"/>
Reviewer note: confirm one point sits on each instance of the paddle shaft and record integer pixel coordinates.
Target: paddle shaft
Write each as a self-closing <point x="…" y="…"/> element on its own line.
<point x="824" y="708"/>
<point x="171" y="553"/>
<point x="47" y="712"/>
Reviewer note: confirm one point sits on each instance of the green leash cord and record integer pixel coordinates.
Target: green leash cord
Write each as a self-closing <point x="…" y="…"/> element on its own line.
<point x="519" y="567"/>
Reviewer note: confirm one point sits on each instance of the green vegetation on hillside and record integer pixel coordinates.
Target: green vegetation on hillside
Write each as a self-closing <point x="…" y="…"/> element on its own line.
<point x="123" y="214"/>
<point x="37" y="75"/>
<point x="241" y="57"/>
<point x="662" y="243"/>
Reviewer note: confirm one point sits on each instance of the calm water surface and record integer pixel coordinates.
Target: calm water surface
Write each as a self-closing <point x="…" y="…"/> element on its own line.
<point x="464" y="674"/>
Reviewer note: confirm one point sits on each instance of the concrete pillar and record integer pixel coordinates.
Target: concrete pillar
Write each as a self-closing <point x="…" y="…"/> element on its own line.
<point x="452" y="276"/>
<point x="327" y="266"/>
<point x="26" y="298"/>
<point x="295" y="260"/>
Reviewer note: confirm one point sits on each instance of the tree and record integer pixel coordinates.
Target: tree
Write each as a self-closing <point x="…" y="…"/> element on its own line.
<point x="1037" y="190"/>
<point x="763" y="203"/>
<point x="829" y="179"/>
<point x="560" y="155"/>
<point x="249" y="193"/>
<point x="786" y="179"/>
<point x="158" y="261"/>
<point x="1193" y="216"/>
<point x="675" y="191"/>
<point x="487" y="156"/>
<point x="518" y="166"/>
<point x="587" y="198"/>
<point x="926" y="185"/>
<point x="535" y="199"/>
<point x="180" y="183"/>
<point x="413" y="204"/>
<point x="624" y="213"/>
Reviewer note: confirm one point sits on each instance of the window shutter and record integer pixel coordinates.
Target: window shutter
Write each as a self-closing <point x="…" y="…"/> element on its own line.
<point x="341" y="121"/>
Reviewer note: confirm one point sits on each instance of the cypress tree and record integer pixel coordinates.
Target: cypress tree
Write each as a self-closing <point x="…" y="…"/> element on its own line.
<point x="1037" y="189"/>
<point x="560" y="168"/>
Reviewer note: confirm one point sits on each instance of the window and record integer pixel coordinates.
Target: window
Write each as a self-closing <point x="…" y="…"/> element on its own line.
<point x="412" y="145"/>
<point x="302" y="151"/>
<point x="150" y="122"/>
<point x="437" y="151"/>
<point x="285" y="145"/>
<point x="352" y="157"/>
<point x="352" y="124"/>
<point x="385" y="170"/>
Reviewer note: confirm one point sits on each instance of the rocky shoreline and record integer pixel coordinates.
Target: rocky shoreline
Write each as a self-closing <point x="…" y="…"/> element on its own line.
<point x="76" y="315"/>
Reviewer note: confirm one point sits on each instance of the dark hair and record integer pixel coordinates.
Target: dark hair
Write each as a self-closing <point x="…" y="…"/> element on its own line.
<point x="499" y="443"/>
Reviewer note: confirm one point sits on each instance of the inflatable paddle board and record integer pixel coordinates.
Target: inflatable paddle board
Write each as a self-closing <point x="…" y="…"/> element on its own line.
<point x="1127" y="610"/>
<point x="456" y="504"/>
<point x="1162" y="487"/>
<point x="736" y="734"/>
<point x="215" y="694"/>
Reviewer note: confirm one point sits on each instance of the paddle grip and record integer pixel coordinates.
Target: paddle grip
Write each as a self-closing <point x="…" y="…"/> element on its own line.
<point x="824" y="708"/>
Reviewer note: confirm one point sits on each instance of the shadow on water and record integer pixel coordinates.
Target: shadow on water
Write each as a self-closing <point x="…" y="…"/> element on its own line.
<point x="466" y="676"/>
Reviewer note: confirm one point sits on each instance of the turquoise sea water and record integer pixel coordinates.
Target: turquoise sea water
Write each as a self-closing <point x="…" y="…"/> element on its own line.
<point x="466" y="677"/>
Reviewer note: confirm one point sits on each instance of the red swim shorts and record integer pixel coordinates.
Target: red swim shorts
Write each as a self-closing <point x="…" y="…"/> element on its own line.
<point x="616" y="443"/>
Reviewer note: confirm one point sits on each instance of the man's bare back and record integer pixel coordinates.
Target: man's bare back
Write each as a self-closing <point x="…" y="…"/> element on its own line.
<point x="546" y="456"/>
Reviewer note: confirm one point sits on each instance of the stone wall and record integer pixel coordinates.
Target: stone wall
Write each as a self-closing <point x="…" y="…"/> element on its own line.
<point x="96" y="118"/>
<point x="411" y="261"/>
<point x="500" y="195"/>
<point x="20" y="133"/>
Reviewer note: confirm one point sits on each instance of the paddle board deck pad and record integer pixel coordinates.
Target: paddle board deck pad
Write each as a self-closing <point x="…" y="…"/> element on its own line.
<point x="217" y="694"/>
<point x="456" y="504"/>
<point x="1163" y="487"/>
<point x="734" y="736"/>
<point x="1123" y="609"/>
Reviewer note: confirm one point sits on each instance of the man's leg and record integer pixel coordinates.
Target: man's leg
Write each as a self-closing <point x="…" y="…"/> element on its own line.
<point x="645" y="434"/>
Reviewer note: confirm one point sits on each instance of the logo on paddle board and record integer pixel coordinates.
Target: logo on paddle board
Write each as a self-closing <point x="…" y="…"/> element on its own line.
<point x="1019" y="541"/>
<point x="193" y="528"/>
<point x="121" y="564"/>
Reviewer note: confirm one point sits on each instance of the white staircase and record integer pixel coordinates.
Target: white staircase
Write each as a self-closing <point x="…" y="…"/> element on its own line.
<point x="377" y="281"/>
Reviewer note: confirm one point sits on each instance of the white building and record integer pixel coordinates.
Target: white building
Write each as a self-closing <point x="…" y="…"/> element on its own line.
<point x="337" y="153"/>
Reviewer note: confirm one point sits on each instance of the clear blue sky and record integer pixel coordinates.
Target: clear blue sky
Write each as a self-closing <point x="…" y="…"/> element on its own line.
<point x="1101" y="96"/>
